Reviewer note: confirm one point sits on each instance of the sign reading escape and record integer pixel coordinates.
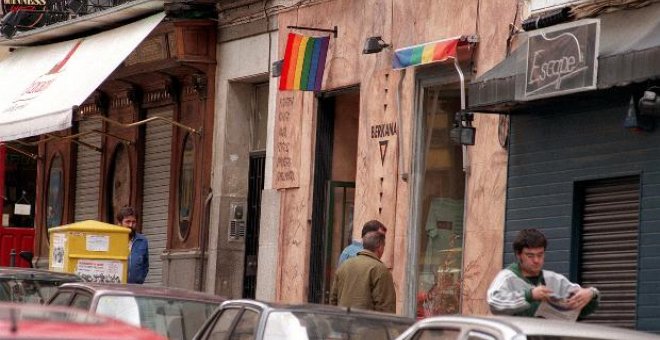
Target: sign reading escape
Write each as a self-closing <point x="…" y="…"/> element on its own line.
<point x="562" y="59"/>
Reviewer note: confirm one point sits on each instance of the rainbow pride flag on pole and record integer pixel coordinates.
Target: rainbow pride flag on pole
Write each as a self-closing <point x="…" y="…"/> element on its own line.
<point x="304" y="63"/>
<point x="432" y="52"/>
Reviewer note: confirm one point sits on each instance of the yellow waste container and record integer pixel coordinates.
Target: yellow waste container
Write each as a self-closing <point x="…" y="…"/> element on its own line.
<point x="94" y="250"/>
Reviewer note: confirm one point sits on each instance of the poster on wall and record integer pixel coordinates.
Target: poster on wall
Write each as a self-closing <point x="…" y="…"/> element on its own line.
<point x="57" y="258"/>
<point x="288" y="133"/>
<point x="102" y="271"/>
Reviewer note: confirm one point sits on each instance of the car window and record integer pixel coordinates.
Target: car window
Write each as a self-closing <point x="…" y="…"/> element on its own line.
<point x="171" y="317"/>
<point x="223" y="325"/>
<point x="246" y="326"/>
<point x="314" y="325"/>
<point x="61" y="299"/>
<point x="81" y="301"/>
<point x="437" y="334"/>
<point x="27" y="291"/>
<point x="477" y="335"/>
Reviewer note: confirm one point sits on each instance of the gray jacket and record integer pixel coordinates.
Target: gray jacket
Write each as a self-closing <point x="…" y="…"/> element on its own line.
<point x="510" y="293"/>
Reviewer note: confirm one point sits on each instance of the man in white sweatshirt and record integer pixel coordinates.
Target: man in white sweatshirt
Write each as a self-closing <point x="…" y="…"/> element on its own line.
<point x="520" y="288"/>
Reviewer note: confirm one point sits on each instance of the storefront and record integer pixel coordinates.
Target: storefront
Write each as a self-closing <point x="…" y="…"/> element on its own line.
<point x="375" y="143"/>
<point x="129" y="127"/>
<point x="583" y="158"/>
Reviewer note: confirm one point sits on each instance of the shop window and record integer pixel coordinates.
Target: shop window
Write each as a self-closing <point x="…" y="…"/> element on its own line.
<point x="18" y="187"/>
<point x="186" y="186"/>
<point x="440" y="191"/>
<point x="55" y="207"/>
<point x="119" y="182"/>
<point x="609" y="246"/>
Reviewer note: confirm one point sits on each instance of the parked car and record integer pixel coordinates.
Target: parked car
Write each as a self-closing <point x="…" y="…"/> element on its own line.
<point x="27" y="285"/>
<point x="174" y="313"/>
<point x="248" y="319"/>
<point x="30" y="321"/>
<point x="515" y="328"/>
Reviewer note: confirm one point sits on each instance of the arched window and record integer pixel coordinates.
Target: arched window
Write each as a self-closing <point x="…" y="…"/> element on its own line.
<point x="55" y="207"/>
<point x="118" y="193"/>
<point x="186" y="186"/>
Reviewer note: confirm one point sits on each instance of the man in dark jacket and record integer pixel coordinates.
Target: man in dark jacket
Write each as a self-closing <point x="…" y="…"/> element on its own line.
<point x="364" y="281"/>
<point x="138" y="247"/>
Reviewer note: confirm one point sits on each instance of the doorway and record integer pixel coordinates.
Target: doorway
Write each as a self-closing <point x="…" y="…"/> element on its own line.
<point x="334" y="187"/>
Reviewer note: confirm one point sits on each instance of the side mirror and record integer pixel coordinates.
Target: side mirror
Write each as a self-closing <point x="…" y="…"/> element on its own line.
<point x="27" y="256"/>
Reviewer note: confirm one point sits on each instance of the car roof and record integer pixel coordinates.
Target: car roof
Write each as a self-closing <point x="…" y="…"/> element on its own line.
<point x="142" y="290"/>
<point x="25" y="321"/>
<point x="538" y="326"/>
<point x="318" y="308"/>
<point x="36" y="274"/>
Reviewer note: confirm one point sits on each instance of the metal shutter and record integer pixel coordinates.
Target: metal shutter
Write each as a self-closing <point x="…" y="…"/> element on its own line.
<point x="609" y="247"/>
<point x="157" y="155"/>
<point x="88" y="172"/>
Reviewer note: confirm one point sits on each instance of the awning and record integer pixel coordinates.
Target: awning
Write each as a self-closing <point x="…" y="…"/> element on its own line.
<point x="40" y="85"/>
<point x="629" y="52"/>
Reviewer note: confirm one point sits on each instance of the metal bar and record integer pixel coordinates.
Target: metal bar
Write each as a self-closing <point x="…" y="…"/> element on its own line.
<point x="22" y="152"/>
<point x="315" y="29"/>
<point x="151" y="119"/>
<point x="71" y="137"/>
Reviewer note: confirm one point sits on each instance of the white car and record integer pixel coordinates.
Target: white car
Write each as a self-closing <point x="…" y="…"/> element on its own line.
<point x="514" y="328"/>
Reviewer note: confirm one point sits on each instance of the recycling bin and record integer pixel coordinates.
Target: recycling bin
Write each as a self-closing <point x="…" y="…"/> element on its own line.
<point x="96" y="251"/>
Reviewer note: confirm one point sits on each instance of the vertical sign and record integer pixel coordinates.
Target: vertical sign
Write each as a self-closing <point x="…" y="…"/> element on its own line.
<point x="286" y="161"/>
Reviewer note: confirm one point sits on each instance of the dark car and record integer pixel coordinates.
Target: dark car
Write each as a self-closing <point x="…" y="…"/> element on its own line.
<point x="171" y="312"/>
<point x="27" y="285"/>
<point x="248" y="319"/>
<point x="515" y="328"/>
<point x="30" y="321"/>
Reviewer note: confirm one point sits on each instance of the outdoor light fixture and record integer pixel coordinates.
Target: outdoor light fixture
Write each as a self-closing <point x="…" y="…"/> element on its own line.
<point x="635" y="121"/>
<point x="9" y="23"/>
<point x="463" y="133"/>
<point x="649" y="104"/>
<point x="374" y="45"/>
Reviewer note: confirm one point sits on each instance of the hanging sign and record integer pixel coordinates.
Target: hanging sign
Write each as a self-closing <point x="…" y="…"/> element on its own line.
<point x="562" y="59"/>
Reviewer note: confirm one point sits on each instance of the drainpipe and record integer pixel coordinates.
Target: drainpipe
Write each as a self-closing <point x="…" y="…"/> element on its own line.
<point x="203" y="236"/>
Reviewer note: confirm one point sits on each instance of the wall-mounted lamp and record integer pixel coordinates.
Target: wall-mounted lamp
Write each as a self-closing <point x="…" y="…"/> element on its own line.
<point x="463" y="133"/>
<point x="636" y="121"/>
<point x="649" y="104"/>
<point x="9" y="23"/>
<point x="374" y="45"/>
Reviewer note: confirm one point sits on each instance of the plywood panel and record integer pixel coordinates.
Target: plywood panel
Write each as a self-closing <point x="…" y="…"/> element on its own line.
<point x="401" y="23"/>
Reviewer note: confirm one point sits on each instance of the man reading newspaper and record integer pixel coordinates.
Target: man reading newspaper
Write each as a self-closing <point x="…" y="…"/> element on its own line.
<point x="525" y="289"/>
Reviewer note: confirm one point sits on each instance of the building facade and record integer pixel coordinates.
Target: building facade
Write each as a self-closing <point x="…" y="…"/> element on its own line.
<point x="374" y="143"/>
<point x="582" y="150"/>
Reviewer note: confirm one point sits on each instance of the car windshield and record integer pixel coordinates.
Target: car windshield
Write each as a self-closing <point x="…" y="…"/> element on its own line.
<point x="27" y="291"/>
<point x="310" y="325"/>
<point x="175" y="319"/>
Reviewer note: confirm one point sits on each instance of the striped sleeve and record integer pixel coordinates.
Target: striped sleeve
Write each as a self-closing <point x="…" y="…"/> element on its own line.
<point x="505" y="296"/>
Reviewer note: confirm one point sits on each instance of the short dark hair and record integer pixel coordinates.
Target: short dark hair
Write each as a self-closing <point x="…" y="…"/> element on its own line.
<point x="126" y="211"/>
<point x="372" y="240"/>
<point x="529" y="238"/>
<point x="373" y="225"/>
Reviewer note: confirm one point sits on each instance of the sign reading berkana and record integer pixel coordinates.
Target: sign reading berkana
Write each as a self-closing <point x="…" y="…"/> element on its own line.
<point x="562" y="59"/>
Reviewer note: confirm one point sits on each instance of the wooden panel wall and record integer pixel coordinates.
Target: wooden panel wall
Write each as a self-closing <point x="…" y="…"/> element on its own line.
<point x="402" y="23"/>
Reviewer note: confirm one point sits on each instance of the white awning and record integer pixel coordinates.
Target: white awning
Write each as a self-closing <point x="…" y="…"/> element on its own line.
<point x="40" y="85"/>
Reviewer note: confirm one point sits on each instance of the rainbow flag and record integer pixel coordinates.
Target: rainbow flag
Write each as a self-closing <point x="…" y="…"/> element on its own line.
<point x="427" y="53"/>
<point x="304" y="63"/>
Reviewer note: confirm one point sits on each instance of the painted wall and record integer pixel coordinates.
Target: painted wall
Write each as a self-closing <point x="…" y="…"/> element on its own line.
<point x="237" y="72"/>
<point x="401" y="23"/>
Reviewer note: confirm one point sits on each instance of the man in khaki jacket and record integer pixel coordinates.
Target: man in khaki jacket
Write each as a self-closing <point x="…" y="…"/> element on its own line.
<point x="364" y="281"/>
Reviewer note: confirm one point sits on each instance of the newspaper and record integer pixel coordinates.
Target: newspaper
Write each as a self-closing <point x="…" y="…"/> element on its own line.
<point x="557" y="309"/>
